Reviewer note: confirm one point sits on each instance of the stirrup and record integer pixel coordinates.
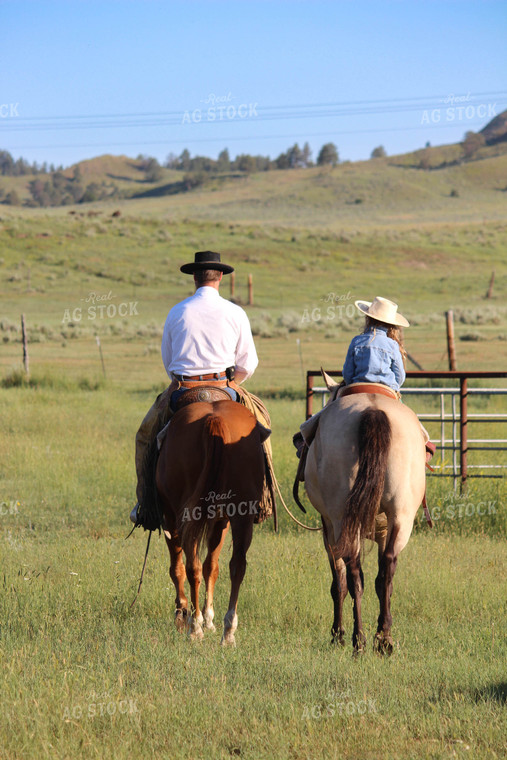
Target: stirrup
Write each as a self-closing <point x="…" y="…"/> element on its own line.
<point x="300" y="474"/>
<point x="299" y="443"/>
<point x="134" y="513"/>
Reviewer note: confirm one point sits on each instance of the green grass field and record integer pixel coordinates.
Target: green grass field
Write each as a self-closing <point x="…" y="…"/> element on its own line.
<point x="84" y="675"/>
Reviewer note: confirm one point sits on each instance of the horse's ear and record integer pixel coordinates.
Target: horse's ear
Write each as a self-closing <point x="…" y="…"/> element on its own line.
<point x="328" y="379"/>
<point x="264" y="432"/>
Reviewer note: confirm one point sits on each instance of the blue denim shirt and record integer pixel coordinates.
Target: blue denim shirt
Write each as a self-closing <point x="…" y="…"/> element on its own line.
<point x="374" y="358"/>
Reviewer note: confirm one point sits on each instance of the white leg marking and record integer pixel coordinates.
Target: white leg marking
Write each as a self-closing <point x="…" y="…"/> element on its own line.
<point x="230" y="625"/>
<point x="195" y="631"/>
<point x="209" y="614"/>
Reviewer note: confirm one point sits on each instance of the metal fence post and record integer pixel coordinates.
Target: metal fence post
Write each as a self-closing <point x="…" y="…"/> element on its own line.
<point x="463" y="424"/>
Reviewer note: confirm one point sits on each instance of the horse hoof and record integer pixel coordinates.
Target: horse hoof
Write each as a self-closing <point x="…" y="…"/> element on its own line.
<point x="337" y="640"/>
<point x="180" y="620"/>
<point x="196" y="635"/>
<point x="383" y="644"/>
<point x="228" y="640"/>
<point x="359" y="644"/>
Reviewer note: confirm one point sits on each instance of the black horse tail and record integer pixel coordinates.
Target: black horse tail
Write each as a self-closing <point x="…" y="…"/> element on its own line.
<point x="363" y="501"/>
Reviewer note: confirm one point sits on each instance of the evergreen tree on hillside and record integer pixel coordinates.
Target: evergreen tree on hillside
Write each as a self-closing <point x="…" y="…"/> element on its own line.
<point x="295" y="156"/>
<point x="307" y="155"/>
<point x="153" y="171"/>
<point x="224" y="161"/>
<point x="185" y="161"/>
<point x="263" y="163"/>
<point x="328" y="155"/>
<point x="378" y="152"/>
<point x="245" y="163"/>
<point x="282" y="162"/>
<point x="172" y="161"/>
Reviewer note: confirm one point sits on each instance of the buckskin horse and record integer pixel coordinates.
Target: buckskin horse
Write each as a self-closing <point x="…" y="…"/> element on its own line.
<point x="209" y="475"/>
<point x="365" y="465"/>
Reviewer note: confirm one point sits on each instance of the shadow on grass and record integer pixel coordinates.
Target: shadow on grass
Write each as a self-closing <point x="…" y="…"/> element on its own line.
<point x="493" y="693"/>
<point x="172" y="188"/>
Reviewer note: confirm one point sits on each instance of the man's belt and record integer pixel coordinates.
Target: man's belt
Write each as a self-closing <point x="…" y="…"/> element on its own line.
<point x="212" y="376"/>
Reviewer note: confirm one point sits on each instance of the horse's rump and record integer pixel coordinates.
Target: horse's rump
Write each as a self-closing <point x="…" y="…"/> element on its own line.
<point x="211" y="463"/>
<point x="343" y="471"/>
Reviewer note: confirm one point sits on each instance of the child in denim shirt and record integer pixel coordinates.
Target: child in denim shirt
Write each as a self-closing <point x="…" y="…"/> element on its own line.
<point x="378" y="354"/>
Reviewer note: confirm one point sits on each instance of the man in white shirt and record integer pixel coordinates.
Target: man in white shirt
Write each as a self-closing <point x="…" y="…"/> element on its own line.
<point x="206" y="339"/>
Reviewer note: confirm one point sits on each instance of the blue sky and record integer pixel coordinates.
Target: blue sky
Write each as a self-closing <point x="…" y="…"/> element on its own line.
<point x="83" y="78"/>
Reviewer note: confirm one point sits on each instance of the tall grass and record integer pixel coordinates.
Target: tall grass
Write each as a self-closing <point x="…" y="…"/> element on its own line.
<point x="83" y="674"/>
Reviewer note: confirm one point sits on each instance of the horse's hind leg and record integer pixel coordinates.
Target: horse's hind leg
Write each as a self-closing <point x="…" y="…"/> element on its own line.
<point x="241" y="539"/>
<point x="384" y="588"/>
<point x="210" y="570"/>
<point x="178" y="576"/>
<point x="338" y="591"/>
<point x="194" y="575"/>
<point x="355" y="583"/>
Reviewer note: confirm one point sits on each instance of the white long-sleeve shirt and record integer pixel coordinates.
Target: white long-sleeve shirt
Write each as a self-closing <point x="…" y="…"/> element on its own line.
<point x="205" y="333"/>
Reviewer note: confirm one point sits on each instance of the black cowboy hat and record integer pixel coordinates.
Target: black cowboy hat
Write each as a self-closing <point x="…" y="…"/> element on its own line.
<point x="206" y="260"/>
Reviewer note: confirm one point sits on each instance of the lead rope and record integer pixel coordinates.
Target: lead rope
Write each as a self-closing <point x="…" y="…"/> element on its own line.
<point x="142" y="571"/>
<point x="302" y="525"/>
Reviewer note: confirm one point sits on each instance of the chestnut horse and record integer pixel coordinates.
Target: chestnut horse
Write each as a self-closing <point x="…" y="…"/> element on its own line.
<point x="365" y="466"/>
<point x="209" y="475"/>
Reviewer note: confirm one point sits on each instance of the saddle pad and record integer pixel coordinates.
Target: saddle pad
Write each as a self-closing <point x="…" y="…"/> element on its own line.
<point x="204" y="393"/>
<point x="382" y="390"/>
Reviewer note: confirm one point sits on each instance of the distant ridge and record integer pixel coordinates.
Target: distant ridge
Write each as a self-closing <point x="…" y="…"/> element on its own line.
<point x="496" y="130"/>
<point x="478" y="163"/>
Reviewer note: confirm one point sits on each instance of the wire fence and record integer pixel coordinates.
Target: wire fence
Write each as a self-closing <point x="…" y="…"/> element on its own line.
<point x="453" y="419"/>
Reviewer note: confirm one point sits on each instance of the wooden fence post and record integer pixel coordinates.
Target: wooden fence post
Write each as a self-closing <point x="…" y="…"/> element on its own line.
<point x="26" y="361"/>
<point x="490" y="289"/>
<point x="101" y="356"/>
<point x="250" y="290"/>
<point x="450" y="340"/>
<point x="233" y="283"/>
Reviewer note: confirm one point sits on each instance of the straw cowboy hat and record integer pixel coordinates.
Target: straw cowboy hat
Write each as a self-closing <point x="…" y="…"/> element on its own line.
<point x="383" y="310"/>
<point x="206" y="260"/>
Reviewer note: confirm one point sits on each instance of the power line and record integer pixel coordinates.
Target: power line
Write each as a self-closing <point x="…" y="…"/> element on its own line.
<point x="225" y="140"/>
<point x="431" y="98"/>
<point x="260" y="113"/>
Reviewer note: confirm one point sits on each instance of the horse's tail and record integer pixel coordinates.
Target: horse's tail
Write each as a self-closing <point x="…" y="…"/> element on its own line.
<point x="363" y="501"/>
<point x="197" y="519"/>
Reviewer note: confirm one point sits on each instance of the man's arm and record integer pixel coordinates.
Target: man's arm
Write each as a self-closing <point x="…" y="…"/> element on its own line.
<point x="166" y="346"/>
<point x="246" y="355"/>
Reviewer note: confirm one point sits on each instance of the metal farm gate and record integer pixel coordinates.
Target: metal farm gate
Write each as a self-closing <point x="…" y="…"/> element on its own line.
<point x="454" y="419"/>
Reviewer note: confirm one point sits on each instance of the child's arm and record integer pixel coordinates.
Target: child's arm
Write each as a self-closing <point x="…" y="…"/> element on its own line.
<point x="348" y="367"/>
<point x="397" y="366"/>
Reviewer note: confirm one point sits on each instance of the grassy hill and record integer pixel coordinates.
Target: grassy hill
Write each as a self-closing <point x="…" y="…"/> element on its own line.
<point x="429" y="181"/>
<point x="428" y="238"/>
